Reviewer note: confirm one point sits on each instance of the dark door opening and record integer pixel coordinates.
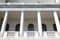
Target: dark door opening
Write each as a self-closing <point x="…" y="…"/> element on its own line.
<point x="44" y="27"/>
<point x="30" y="27"/>
<point x="17" y="28"/>
<point x="54" y="26"/>
<point x="7" y="27"/>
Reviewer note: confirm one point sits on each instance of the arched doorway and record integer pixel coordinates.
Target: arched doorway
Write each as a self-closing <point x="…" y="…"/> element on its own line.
<point x="7" y="27"/>
<point x="44" y="27"/>
<point x="30" y="27"/>
<point x="17" y="28"/>
<point x="54" y="26"/>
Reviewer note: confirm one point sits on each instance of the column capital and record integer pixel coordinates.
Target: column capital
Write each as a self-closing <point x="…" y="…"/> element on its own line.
<point x="38" y="11"/>
<point x="22" y="12"/>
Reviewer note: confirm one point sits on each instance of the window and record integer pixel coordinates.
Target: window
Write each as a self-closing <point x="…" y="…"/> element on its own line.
<point x="44" y="27"/>
<point x="54" y="26"/>
<point x="17" y="27"/>
<point x="7" y="27"/>
<point x="30" y="27"/>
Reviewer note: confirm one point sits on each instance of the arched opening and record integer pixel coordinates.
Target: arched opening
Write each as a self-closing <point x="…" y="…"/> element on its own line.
<point x="44" y="27"/>
<point x="30" y="27"/>
<point x="7" y="27"/>
<point x="54" y="26"/>
<point x="17" y="28"/>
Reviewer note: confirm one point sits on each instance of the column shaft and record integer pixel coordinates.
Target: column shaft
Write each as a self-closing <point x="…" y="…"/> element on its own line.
<point x="21" y="23"/>
<point x="57" y="1"/>
<point x="39" y="23"/>
<point x="57" y="21"/>
<point x="4" y="22"/>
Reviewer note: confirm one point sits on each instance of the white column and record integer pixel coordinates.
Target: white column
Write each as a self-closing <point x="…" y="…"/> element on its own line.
<point x="21" y="23"/>
<point x="4" y="22"/>
<point x="57" y="21"/>
<point x="57" y="1"/>
<point x="39" y="23"/>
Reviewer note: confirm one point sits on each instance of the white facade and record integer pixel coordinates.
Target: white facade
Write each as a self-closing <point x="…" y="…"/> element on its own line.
<point x="30" y="19"/>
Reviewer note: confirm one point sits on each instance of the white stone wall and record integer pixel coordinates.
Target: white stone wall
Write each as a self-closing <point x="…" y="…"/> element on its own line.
<point x="29" y="21"/>
<point x="48" y="21"/>
<point x="12" y="24"/>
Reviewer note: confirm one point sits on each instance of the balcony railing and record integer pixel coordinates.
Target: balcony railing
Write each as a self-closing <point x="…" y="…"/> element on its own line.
<point x="50" y="33"/>
<point x="30" y="34"/>
<point x="11" y="33"/>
